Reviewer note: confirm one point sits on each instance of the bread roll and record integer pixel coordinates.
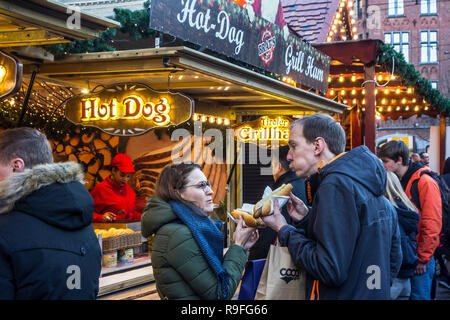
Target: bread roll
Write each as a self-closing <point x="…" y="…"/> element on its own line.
<point x="248" y="219"/>
<point x="262" y="207"/>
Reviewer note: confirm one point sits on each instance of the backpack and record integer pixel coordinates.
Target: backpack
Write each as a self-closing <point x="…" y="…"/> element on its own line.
<point x="445" y="199"/>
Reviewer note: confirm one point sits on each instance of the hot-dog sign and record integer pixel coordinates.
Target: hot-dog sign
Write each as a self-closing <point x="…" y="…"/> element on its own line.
<point x="129" y="109"/>
<point x="228" y="28"/>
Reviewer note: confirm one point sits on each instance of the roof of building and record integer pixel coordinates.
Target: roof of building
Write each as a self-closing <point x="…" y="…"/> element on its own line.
<point x="311" y="20"/>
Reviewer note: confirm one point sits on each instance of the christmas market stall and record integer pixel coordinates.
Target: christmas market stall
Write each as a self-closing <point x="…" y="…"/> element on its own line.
<point x="226" y="81"/>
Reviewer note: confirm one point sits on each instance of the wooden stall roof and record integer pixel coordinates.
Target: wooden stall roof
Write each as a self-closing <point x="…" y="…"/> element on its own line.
<point x="39" y="22"/>
<point x="211" y="81"/>
<point x="393" y="97"/>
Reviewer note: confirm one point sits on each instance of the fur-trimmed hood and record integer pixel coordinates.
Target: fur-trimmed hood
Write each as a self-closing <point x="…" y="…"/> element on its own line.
<point x="51" y="192"/>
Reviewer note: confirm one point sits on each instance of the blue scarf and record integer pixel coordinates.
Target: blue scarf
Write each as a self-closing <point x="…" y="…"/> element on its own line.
<point x="209" y="238"/>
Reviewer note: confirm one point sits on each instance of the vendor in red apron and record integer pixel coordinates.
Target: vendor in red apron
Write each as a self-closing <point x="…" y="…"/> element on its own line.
<point x="113" y="198"/>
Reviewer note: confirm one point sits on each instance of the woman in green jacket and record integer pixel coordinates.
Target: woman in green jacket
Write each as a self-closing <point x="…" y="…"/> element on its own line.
<point x="187" y="250"/>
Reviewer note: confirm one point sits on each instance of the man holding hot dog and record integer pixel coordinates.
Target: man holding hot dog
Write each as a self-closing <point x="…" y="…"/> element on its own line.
<point x="282" y="174"/>
<point x="348" y="241"/>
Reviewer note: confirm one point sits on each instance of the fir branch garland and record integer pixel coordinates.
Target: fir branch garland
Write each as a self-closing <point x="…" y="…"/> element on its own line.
<point x="412" y="78"/>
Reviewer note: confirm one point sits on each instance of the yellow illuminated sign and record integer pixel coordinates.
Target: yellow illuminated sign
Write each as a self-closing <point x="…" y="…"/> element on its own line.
<point x="132" y="107"/>
<point x="2" y="73"/>
<point x="405" y="140"/>
<point x="265" y="128"/>
<point x="129" y="109"/>
<point x="10" y="75"/>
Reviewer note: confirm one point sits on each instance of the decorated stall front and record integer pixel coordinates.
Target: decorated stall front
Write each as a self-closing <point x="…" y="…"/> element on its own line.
<point x="173" y="103"/>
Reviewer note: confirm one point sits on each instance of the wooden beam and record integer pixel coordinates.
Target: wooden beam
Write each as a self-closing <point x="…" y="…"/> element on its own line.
<point x="103" y="67"/>
<point x="254" y="82"/>
<point x="274" y="111"/>
<point x="34" y="52"/>
<point x="442" y="133"/>
<point x="369" y="123"/>
<point x="355" y="128"/>
<point x="27" y="37"/>
<point x="225" y="95"/>
<point x="260" y="104"/>
<point x="26" y="13"/>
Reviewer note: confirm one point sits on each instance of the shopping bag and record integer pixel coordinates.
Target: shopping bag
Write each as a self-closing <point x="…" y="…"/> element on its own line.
<point x="281" y="279"/>
<point x="250" y="280"/>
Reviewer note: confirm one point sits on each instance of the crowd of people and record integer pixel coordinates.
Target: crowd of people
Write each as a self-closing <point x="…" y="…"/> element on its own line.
<point x="362" y="226"/>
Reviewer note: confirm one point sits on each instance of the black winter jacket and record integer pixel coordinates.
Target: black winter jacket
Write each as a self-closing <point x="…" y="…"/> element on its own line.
<point x="407" y="221"/>
<point x="350" y="239"/>
<point x="48" y="248"/>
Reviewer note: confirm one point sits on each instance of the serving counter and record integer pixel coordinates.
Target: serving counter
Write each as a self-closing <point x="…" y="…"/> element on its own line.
<point x="125" y="262"/>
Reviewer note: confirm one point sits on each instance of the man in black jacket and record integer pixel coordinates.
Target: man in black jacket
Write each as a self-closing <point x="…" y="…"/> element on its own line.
<point x="282" y="174"/>
<point x="349" y="240"/>
<point x="48" y="248"/>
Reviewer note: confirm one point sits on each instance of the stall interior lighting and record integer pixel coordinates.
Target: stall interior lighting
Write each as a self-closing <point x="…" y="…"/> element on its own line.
<point x="290" y="81"/>
<point x="2" y="73"/>
<point x="344" y="14"/>
<point x="211" y="119"/>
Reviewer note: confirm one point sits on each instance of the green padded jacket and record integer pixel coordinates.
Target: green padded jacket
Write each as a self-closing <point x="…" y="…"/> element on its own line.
<point x="179" y="267"/>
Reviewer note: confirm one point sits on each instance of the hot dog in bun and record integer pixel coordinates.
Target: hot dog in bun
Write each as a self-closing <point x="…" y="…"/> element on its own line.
<point x="263" y="206"/>
<point x="249" y="220"/>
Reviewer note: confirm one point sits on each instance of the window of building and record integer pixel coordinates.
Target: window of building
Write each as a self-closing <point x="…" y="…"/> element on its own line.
<point x="428" y="6"/>
<point x="428" y="46"/>
<point x="434" y="84"/>
<point x="358" y="10"/>
<point x="400" y="42"/>
<point x="395" y="8"/>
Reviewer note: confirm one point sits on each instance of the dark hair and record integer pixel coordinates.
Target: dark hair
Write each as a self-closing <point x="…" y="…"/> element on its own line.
<point x="28" y="144"/>
<point x="447" y="166"/>
<point x="282" y="155"/>
<point x="173" y="178"/>
<point x="393" y="150"/>
<point x="322" y="125"/>
<point x="422" y="153"/>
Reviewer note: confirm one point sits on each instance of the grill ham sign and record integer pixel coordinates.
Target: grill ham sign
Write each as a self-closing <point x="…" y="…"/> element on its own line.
<point x="129" y="109"/>
<point x="225" y="27"/>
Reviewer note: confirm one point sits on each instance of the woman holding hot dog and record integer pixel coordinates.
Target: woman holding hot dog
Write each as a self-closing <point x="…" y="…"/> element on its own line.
<point x="187" y="251"/>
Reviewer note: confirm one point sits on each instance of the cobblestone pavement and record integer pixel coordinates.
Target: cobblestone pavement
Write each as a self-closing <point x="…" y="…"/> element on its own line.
<point x="148" y="292"/>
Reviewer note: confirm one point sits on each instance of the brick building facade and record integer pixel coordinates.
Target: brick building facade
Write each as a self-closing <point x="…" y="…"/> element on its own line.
<point x="419" y="29"/>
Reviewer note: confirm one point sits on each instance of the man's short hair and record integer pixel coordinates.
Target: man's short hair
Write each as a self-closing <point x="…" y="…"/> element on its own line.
<point x="28" y="144"/>
<point x="322" y="125"/>
<point x="393" y="150"/>
<point x="282" y="155"/>
<point x="422" y="153"/>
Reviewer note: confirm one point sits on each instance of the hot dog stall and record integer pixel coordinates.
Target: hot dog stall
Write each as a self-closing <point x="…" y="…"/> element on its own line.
<point x="167" y="104"/>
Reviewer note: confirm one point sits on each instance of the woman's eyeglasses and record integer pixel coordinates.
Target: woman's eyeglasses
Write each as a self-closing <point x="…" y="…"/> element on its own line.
<point x="202" y="185"/>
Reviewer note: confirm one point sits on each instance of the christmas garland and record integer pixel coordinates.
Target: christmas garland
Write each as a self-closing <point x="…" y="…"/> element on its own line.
<point x="136" y="24"/>
<point x="412" y="78"/>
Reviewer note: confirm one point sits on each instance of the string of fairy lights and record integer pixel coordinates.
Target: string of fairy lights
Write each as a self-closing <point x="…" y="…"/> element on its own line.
<point x="346" y="89"/>
<point x="42" y="109"/>
<point x="210" y="119"/>
<point x="343" y="25"/>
